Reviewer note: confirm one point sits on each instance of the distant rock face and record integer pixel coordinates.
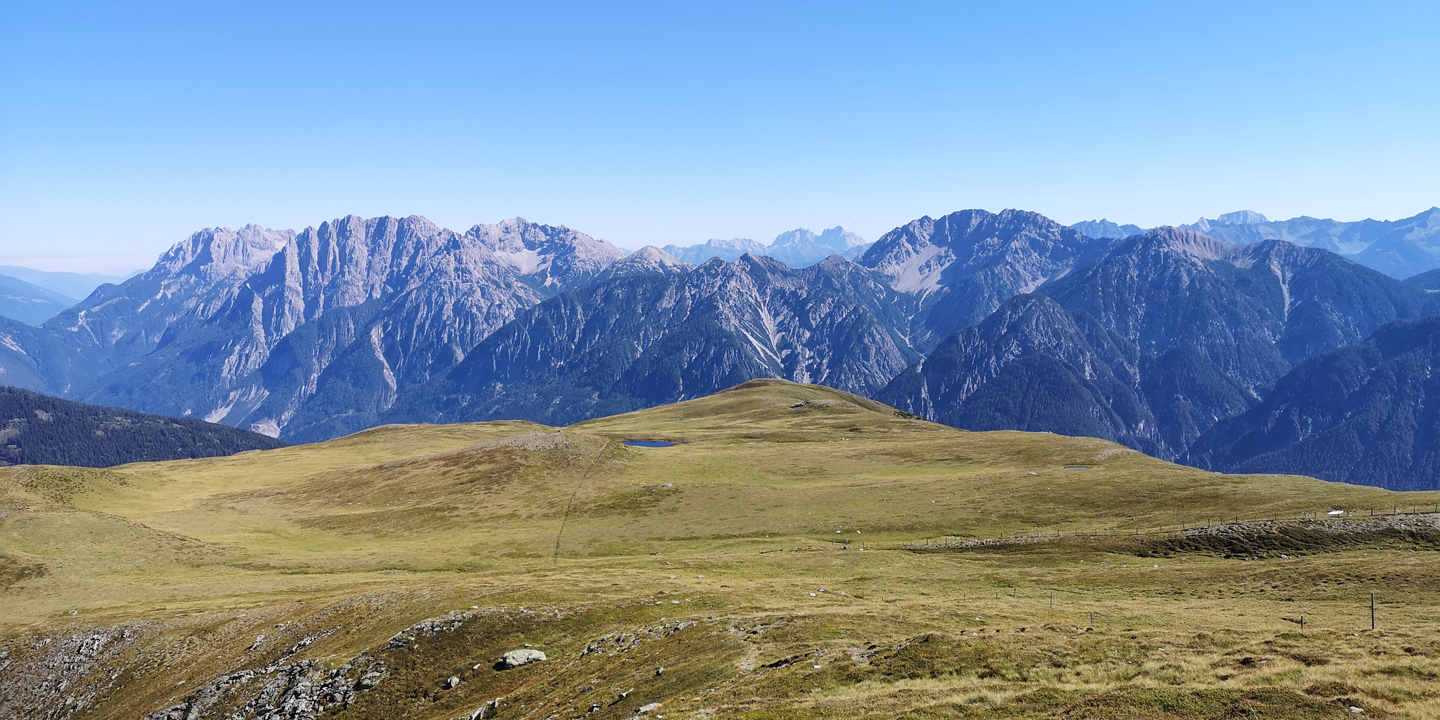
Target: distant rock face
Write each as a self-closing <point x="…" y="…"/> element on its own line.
<point x="962" y="266"/>
<point x="1364" y="414"/>
<point x="1399" y="248"/>
<point x="1031" y="365"/>
<point x="313" y="334"/>
<point x="639" y="340"/>
<point x="1103" y="228"/>
<point x="1153" y="342"/>
<point x="802" y="248"/>
<point x="726" y="250"/>
<point x="1241" y="217"/>
<point x="799" y="248"/>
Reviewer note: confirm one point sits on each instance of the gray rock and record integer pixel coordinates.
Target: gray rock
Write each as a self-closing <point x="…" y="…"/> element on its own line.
<point x="517" y="658"/>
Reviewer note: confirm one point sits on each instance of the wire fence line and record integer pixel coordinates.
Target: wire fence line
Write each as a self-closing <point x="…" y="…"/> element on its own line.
<point x="1307" y="520"/>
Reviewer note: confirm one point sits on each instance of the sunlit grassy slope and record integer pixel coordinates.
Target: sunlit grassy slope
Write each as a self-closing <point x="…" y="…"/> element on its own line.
<point x="770" y="493"/>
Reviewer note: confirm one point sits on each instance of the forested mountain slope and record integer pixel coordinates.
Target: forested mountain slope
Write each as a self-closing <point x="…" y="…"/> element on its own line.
<point x="40" y="430"/>
<point x="1367" y="413"/>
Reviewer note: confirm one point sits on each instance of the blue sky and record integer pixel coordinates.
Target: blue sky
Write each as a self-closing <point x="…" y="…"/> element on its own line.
<point x="126" y="126"/>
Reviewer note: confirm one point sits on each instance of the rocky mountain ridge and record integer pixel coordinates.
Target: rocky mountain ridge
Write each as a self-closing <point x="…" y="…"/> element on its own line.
<point x="259" y="329"/>
<point x="1399" y="248"/>
<point x="797" y="248"/>
<point x="962" y="266"/>
<point x="1153" y="342"/>
<point x="1103" y="228"/>
<point x="673" y="332"/>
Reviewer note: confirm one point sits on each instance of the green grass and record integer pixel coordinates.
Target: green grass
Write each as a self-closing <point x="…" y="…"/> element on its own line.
<point x="737" y="525"/>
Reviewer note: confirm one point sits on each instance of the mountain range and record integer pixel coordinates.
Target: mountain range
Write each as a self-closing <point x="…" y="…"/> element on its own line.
<point x="68" y="284"/>
<point x="30" y="303"/>
<point x="798" y="248"/>
<point x="668" y="331"/>
<point x="1398" y="248"/>
<point x="1160" y="340"/>
<point x="1153" y="341"/>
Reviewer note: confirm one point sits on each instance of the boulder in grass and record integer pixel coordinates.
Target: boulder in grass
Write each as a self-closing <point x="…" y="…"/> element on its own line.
<point x="516" y="658"/>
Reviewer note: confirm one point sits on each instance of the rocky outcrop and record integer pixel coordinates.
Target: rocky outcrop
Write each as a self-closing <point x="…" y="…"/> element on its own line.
<point x="298" y="691"/>
<point x="517" y="658"/>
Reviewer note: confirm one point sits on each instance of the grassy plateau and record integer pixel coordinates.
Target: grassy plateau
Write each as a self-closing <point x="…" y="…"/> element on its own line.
<point x="798" y="552"/>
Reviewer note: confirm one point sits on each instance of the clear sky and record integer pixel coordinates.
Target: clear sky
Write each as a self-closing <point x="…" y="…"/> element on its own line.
<point x="126" y="126"/>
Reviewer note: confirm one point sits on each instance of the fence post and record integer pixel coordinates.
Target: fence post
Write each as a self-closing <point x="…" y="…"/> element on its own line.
<point x="1372" y="610"/>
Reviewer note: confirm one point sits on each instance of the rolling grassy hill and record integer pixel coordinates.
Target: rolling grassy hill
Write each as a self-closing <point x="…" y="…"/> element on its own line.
<point x="799" y="552"/>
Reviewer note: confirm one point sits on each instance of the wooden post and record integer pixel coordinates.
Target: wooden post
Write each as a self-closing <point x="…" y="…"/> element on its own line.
<point x="1052" y="602"/>
<point x="1372" y="610"/>
<point x="1092" y="618"/>
<point x="1302" y="623"/>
